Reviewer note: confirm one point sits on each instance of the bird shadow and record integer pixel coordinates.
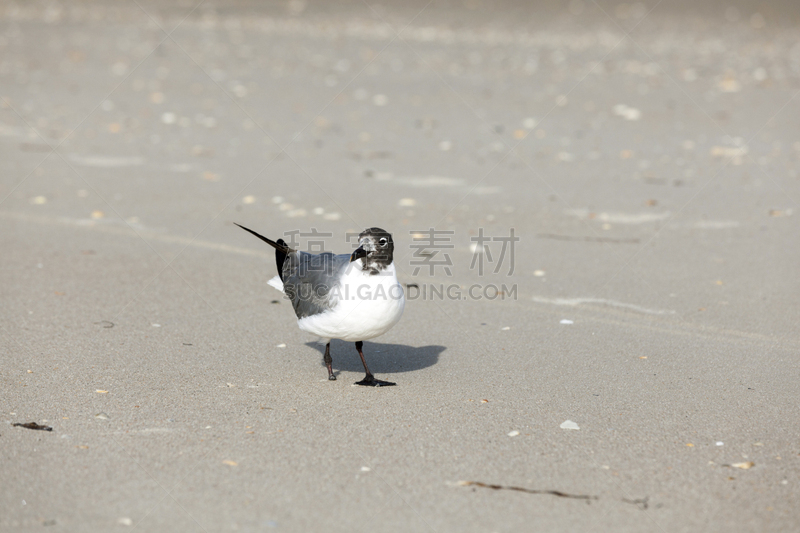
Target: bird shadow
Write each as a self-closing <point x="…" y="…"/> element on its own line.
<point x="381" y="358"/>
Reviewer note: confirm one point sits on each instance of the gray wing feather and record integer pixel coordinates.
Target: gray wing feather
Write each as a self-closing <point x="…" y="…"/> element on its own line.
<point x="309" y="279"/>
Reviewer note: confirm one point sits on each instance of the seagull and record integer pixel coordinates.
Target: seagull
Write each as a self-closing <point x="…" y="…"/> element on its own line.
<point x="352" y="297"/>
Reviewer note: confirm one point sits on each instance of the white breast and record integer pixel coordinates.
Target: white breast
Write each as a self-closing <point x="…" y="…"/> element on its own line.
<point x="367" y="306"/>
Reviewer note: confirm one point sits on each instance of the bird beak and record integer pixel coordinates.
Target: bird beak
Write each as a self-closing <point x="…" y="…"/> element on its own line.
<point x="358" y="254"/>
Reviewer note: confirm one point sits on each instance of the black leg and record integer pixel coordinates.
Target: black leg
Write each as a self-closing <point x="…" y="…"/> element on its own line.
<point x="369" y="380"/>
<point x="329" y="362"/>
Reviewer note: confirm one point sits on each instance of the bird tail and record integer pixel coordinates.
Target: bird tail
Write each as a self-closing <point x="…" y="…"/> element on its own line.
<point x="276" y="282"/>
<point x="281" y="249"/>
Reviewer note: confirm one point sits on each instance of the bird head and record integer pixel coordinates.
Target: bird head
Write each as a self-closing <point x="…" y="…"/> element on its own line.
<point x="375" y="249"/>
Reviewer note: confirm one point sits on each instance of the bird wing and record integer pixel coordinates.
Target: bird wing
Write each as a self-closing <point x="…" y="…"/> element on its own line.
<point x="309" y="281"/>
<point x="281" y="249"/>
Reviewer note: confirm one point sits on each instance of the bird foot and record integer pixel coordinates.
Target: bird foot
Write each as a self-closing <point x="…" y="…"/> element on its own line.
<point x="331" y="378"/>
<point x="370" y="381"/>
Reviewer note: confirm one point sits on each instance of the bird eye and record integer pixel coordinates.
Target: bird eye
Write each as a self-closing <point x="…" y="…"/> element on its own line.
<point x="383" y="241"/>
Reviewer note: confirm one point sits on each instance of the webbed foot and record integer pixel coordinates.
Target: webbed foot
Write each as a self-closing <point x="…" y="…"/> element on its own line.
<point x="370" y="381"/>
